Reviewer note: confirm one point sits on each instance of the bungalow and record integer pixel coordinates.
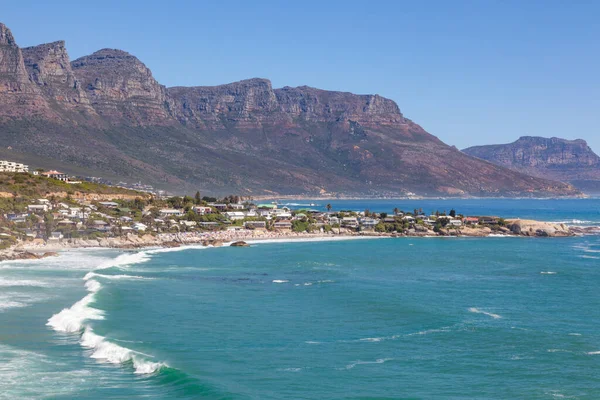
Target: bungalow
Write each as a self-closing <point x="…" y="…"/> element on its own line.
<point x="334" y="221"/>
<point x="55" y="236"/>
<point x="188" y="223"/>
<point x="255" y="225"/>
<point x="408" y="218"/>
<point x="219" y="206"/>
<point x="37" y="208"/>
<point x="283" y="225"/>
<point x="171" y="212"/>
<point x="126" y="219"/>
<point x="284" y="215"/>
<point x="455" y="222"/>
<point x="264" y="213"/>
<point x="251" y="214"/>
<point x="235" y="215"/>
<point x="100" y="225"/>
<point x="237" y="206"/>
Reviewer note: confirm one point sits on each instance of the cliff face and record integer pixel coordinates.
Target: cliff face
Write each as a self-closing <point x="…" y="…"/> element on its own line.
<point x="49" y="67"/>
<point x="106" y="112"/>
<point x="121" y="88"/>
<point x="565" y="160"/>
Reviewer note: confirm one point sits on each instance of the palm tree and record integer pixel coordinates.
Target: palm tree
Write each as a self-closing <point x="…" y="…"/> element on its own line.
<point x="396" y="211"/>
<point x="328" y="206"/>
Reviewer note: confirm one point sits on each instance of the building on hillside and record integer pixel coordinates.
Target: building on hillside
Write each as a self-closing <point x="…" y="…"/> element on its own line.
<point x="170" y="212"/>
<point x="255" y="225"/>
<point x="200" y="210"/>
<point x="11" y="166"/>
<point x="56" y="175"/>
<point x="283" y="225"/>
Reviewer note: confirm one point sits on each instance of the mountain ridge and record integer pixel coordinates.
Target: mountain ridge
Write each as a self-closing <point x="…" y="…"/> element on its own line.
<point x="107" y="112"/>
<point x="560" y="159"/>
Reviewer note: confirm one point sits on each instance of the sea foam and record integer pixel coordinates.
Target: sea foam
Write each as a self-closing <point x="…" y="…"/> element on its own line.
<point x="489" y="314"/>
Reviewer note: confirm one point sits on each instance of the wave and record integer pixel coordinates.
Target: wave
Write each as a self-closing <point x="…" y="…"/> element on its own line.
<point x="548" y="273"/>
<point x="115" y="354"/>
<point x="593" y="353"/>
<point x="70" y="320"/>
<point x="359" y="362"/>
<point x="489" y="314"/>
<point x="126" y="259"/>
<point x="280" y="281"/>
<point x="575" y="222"/>
<point x="73" y="320"/>
<point x="91" y="275"/>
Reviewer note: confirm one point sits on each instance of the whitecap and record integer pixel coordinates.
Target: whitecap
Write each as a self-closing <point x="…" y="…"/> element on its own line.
<point x="91" y="275"/>
<point x="280" y="281"/>
<point x="478" y="311"/>
<point x="23" y="282"/>
<point x="360" y="362"/>
<point x="548" y="273"/>
<point x="593" y="353"/>
<point x="125" y="259"/>
<point x="106" y="351"/>
<point x="574" y="334"/>
<point x="70" y="320"/>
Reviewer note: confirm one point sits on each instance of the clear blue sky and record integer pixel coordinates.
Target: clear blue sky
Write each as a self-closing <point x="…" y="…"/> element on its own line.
<point x="470" y="72"/>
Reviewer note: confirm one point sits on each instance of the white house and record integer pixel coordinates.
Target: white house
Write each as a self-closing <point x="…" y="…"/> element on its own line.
<point x="37" y="208"/>
<point x="235" y="215"/>
<point x="139" y="227"/>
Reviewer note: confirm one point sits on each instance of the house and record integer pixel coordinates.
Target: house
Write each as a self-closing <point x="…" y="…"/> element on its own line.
<point x="202" y="210"/>
<point x="126" y="219"/>
<point x="100" y="225"/>
<point x="219" y="206"/>
<point x="168" y="212"/>
<point x="139" y="227"/>
<point x="188" y="223"/>
<point x="389" y="220"/>
<point x="16" y="217"/>
<point x="488" y="220"/>
<point x="11" y="166"/>
<point x="283" y="225"/>
<point x="255" y="225"/>
<point x="408" y="218"/>
<point x="350" y="222"/>
<point x="55" y="236"/>
<point x="235" y="215"/>
<point x="251" y="214"/>
<point x="44" y="201"/>
<point x="334" y="221"/>
<point x="471" y="220"/>
<point x="56" y="175"/>
<point x="264" y="213"/>
<point x="284" y="215"/>
<point x="455" y="222"/>
<point x="37" y="208"/>
<point x="369" y="223"/>
<point x="209" y="225"/>
<point x="237" y="206"/>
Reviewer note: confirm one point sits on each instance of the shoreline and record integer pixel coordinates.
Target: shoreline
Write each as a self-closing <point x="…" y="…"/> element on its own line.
<point x="518" y="228"/>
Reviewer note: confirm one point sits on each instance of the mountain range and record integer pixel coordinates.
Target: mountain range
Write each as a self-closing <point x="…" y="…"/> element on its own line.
<point x="105" y="114"/>
<point x="563" y="160"/>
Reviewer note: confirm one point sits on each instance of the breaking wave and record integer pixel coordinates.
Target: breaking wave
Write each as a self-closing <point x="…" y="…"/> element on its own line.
<point x="73" y="320"/>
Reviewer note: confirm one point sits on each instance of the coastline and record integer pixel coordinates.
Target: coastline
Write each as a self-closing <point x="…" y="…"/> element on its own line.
<point x="517" y="228"/>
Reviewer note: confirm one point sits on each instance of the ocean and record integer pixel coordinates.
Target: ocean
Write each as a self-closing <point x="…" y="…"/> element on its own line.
<point x="390" y="318"/>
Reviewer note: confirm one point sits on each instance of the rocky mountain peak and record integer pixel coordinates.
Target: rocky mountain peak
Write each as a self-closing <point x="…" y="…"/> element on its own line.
<point x="6" y="36"/>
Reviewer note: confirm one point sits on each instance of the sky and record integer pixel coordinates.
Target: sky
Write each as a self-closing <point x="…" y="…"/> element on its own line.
<point x="470" y="72"/>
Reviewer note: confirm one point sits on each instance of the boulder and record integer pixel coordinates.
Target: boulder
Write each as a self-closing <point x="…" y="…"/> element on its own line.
<point x="241" y="243"/>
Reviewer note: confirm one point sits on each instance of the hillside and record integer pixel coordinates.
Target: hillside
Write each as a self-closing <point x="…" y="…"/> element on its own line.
<point x="106" y="112"/>
<point x="554" y="158"/>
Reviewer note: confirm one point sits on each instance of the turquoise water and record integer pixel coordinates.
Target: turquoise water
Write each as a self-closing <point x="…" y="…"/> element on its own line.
<point x="447" y="318"/>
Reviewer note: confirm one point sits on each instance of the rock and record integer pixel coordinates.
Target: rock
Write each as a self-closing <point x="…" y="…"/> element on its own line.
<point x="239" y="244"/>
<point x="538" y="228"/>
<point x="49" y="254"/>
<point x="171" y="244"/>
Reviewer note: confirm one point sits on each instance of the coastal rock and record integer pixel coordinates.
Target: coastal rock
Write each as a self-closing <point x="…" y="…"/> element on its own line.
<point x="537" y="228"/>
<point x="239" y="244"/>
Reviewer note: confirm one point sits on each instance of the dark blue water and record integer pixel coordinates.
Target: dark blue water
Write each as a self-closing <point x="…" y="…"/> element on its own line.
<point x="448" y="318"/>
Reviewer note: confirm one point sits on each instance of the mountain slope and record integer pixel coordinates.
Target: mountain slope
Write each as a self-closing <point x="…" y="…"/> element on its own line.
<point x="106" y="112"/>
<point x="554" y="158"/>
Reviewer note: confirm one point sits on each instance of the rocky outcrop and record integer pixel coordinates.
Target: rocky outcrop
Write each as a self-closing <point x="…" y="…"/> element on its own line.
<point x="560" y="159"/>
<point x="536" y="228"/>
<point x="240" y="243"/>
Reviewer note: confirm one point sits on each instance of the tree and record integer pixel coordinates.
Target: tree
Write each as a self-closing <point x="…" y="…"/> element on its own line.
<point x="49" y="223"/>
<point x="197" y="198"/>
<point x="383" y="215"/>
<point x="453" y="213"/>
<point x="328" y="206"/>
<point x="396" y="211"/>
